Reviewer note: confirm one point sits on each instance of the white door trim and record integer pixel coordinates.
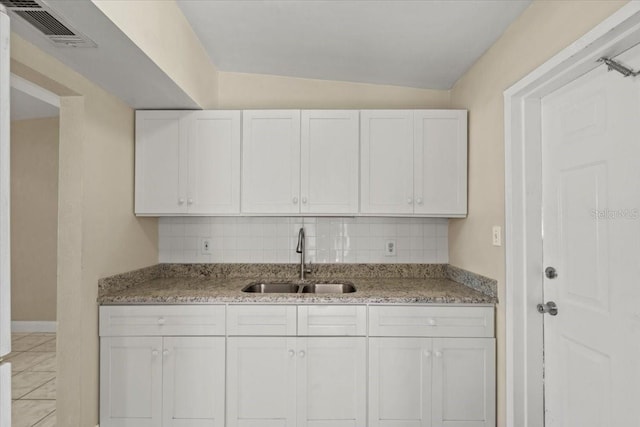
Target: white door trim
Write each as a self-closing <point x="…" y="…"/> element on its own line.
<point x="523" y="190"/>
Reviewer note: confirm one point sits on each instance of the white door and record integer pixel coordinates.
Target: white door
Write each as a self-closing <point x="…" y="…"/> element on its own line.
<point x="329" y="161"/>
<point x="5" y="394"/>
<point x="214" y="162"/>
<point x="440" y="162"/>
<point x="386" y="144"/>
<point x="463" y="382"/>
<point x="5" y="193"/>
<point x="161" y="162"/>
<point x="193" y="381"/>
<point x="271" y="161"/>
<point x="591" y="198"/>
<point x="332" y="382"/>
<point x="400" y="382"/>
<point x="261" y="382"/>
<point x="130" y="381"/>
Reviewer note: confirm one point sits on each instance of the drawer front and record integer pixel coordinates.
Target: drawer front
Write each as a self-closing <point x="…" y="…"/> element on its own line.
<point x="412" y="321"/>
<point x="141" y="320"/>
<point x="261" y="320"/>
<point x="344" y="320"/>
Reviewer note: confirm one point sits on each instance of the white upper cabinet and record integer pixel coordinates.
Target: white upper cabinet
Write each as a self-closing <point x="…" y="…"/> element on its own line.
<point x="386" y="144"/>
<point x="414" y="162"/>
<point x="214" y="162"/>
<point x="187" y="162"/>
<point x="271" y="161"/>
<point x="440" y="162"/>
<point x="161" y="162"/>
<point x="300" y="162"/>
<point x="309" y="162"/>
<point x="329" y="162"/>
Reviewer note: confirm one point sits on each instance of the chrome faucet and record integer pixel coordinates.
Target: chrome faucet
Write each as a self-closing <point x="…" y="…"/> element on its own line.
<point x="300" y="250"/>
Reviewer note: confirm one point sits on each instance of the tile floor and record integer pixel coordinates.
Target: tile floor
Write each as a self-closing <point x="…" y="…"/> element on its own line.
<point x="33" y="388"/>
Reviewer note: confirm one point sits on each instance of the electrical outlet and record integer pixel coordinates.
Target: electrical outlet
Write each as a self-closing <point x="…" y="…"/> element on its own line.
<point x="205" y="245"/>
<point x="390" y="248"/>
<point x="497" y="235"/>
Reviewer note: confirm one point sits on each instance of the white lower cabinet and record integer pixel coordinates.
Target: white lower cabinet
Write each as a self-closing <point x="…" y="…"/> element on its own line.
<point x="130" y="381"/>
<point x="431" y="382"/>
<point x="193" y="382"/>
<point x="162" y="381"/>
<point x="280" y="365"/>
<point x="332" y="381"/>
<point x="296" y="381"/>
<point x="261" y="385"/>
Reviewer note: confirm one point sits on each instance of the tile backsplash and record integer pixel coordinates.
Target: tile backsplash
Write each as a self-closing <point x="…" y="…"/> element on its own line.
<point x="328" y="240"/>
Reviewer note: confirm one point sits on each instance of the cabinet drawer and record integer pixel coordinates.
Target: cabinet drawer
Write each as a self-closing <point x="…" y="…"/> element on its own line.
<point x="412" y="321"/>
<point x="345" y="320"/>
<point x="162" y="320"/>
<point x="261" y="320"/>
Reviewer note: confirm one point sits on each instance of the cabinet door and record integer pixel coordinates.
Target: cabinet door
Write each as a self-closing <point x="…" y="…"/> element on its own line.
<point x="464" y="382"/>
<point x="193" y="382"/>
<point x="386" y="161"/>
<point x="261" y="385"/>
<point x="399" y="382"/>
<point x="271" y="161"/>
<point x="161" y="162"/>
<point x="214" y="162"/>
<point x="440" y="162"/>
<point x="332" y="382"/>
<point x="329" y="161"/>
<point x="130" y="381"/>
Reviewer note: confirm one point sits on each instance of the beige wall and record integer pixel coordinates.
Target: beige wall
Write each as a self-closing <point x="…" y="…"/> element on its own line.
<point x="245" y="91"/>
<point x="34" y="218"/>
<point x="98" y="234"/>
<point x="544" y="29"/>
<point x="162" y="32"/>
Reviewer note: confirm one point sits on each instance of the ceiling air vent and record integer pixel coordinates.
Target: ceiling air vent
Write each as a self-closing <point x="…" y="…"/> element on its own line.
<point x="48" y="22"/>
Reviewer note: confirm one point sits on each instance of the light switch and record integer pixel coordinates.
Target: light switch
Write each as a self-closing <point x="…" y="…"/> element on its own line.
<point x="497" y="235"/>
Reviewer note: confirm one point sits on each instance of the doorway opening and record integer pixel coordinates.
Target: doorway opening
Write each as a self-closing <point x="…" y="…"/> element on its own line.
<point x="34" y="141"/>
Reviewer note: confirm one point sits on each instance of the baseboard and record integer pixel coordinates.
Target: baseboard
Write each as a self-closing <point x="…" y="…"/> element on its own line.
<point x="33" y="326"/>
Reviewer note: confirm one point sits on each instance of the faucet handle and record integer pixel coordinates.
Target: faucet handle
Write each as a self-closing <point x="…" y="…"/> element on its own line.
<point x="300" y="246"/>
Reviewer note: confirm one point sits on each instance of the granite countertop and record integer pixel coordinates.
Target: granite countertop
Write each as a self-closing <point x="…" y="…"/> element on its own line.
<point x="204" y="284"/>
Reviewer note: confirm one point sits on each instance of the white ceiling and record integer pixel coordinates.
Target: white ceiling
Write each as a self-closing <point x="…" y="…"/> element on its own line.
<point x="419" y="43"/>
<point x="117" y="64"/>
<point x="24" y="106"/>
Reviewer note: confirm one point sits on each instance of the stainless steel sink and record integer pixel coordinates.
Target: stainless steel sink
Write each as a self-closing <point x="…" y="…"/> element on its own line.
<point x="293" y="288"/>
<point x="329" y="288"/>
<point x="272" y="288"/>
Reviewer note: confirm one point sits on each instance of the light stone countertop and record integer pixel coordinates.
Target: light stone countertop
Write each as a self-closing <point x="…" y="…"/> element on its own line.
<point x="213" y="290"/>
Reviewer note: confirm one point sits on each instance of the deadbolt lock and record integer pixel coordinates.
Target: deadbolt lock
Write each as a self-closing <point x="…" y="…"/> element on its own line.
<point x="550" y="273"/>
<point x="550" y="307"/>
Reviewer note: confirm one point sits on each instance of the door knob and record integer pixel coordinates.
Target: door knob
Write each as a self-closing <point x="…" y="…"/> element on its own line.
<point x="550" y="307"/>
<point x="550" y="273"/>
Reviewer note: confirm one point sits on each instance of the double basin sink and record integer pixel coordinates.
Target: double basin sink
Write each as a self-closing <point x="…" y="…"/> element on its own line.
<point x="293" y="288"/>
